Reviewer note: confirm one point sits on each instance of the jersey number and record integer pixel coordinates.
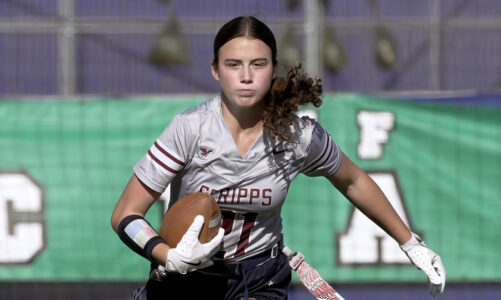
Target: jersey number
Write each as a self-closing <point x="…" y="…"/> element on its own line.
<point x="241" y="224"/>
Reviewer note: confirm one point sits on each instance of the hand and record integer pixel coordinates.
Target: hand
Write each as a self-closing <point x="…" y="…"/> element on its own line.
<point x="190" y="254"/>
<point x="427" y="261"/>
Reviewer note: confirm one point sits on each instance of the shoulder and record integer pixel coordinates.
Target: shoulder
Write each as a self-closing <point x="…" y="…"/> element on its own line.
<point x="310" y="133"/>
<point x="208" y="107"/>
<point x="306" y="122"/>
<point x="185" y="131"/>
<point x="303" y="129"/>
<point x="195" y="116"/>
<point x="300" y="131"/>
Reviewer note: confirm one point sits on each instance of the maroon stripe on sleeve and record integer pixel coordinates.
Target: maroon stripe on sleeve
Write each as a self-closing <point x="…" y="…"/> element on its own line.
<point x="158" y="161"/>
<point x="316" y="167"/>
<point x="168" y="154"/>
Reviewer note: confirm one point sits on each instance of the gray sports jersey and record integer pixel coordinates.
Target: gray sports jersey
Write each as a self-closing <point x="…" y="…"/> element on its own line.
<point x="196" y="152"/>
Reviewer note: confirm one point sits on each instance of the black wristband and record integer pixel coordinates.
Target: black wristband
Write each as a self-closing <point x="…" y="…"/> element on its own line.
<point x="138" y="235"/>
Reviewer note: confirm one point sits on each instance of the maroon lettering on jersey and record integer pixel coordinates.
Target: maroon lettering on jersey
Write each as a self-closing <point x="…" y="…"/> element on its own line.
<point x="223" y="195"/>
<point x="204" y="189"/>
<point x="267" y="196"/>
<point x="251" y="196"/>
<point x="233" y="195"/>
<point x="254" y="194"/>
<point x="242" y="194"/>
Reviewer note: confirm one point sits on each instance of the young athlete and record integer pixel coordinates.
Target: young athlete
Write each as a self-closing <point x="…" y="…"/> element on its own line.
<point x="244" y="147"/>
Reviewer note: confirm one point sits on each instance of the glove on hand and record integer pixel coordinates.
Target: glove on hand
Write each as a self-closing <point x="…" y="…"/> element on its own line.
<point x="190" y="254"/>
<point x="427" y="261"/>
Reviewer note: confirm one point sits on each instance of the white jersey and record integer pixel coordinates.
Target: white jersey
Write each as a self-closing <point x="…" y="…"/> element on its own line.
<point x="197" y="153"/>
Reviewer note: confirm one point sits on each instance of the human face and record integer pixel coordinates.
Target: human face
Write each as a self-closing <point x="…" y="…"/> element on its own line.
<point x="244" y="71"/>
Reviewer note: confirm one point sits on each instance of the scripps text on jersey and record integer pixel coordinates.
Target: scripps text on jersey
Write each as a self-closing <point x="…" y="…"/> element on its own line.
<point x="240" y="195"/>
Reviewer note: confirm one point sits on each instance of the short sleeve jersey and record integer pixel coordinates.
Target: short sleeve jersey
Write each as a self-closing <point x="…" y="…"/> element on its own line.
<point x="196" y="153"/>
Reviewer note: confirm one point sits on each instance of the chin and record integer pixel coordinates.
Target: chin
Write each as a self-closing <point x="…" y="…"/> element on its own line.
<point x="246" y="101"/>
<point x="250" y="104"/>
<point x="243" y="102"/>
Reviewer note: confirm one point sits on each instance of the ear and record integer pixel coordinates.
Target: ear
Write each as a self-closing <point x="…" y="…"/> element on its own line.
<point x="274" y="71"/>
<point x="214" y="70"/>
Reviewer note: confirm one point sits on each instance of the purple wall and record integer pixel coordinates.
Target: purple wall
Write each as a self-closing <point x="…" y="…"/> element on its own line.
<point x="116" y="63"/>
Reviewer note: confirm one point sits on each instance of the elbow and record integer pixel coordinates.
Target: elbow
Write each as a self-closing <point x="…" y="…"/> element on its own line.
<point x="115" y="220"/>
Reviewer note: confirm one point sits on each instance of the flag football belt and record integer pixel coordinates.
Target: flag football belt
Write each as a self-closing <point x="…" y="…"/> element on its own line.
<point x="238" y="268"/>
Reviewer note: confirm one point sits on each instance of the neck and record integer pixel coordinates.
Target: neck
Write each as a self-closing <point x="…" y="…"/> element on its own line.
<point x="245" y="124"/>
<point x="240" y="119"/>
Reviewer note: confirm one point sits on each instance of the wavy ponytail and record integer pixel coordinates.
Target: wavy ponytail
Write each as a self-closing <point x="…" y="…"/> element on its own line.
<point x="285" y="97"/>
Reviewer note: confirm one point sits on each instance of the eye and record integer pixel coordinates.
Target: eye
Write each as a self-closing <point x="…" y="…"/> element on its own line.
<point x="259" y="64"/>
<point x="231" y="64"/>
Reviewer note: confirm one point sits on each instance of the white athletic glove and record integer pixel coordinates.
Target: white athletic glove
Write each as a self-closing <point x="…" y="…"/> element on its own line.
<point x="427" y="261"/>
<point x="190" y="254"/>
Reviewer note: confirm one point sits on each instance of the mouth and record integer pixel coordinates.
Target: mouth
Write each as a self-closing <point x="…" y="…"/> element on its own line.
<point x="246" y="92"/>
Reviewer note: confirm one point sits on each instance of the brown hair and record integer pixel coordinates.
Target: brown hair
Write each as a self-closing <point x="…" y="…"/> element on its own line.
<point x="286" y="94"/>
<point x="245" y="26"/>
<point x="285" y="97"/>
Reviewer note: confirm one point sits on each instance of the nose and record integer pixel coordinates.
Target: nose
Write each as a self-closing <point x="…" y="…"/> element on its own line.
<point x="246" y="75"/>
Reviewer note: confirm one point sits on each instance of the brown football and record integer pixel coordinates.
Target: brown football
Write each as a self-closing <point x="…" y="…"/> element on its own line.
<point x="182" y="214"/>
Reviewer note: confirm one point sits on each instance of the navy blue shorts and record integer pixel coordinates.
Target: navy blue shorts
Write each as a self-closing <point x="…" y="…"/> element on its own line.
<point x="267" y="280"/>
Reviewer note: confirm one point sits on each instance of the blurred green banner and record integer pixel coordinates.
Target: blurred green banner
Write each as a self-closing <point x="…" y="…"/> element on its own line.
<point x="64" y="163"/>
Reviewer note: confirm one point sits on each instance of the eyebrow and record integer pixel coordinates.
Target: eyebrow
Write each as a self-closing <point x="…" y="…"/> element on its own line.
<point x="252" y="61"/>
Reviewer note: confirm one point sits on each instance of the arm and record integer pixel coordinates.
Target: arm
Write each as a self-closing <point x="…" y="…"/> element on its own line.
<point x="364" y="193"/>
<point x="136" y="199"/>
<point x="189" y="253"/>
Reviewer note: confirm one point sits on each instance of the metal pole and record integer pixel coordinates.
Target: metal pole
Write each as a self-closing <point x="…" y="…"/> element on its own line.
<point x="67" y="48"/>
<point x="313" y="31"/>
<point x="435" y="37"/>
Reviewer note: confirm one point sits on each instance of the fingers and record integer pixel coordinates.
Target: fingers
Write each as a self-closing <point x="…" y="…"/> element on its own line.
<point x="434" y="279"/>
<point x="432" y="275"/>
<point x="197" y="225"/>
<point x="213" y="245"/>
<point x="435" y="289"/>
<point x="426" y="260"/>
<point x="439" y="267"/>
<point x="436" y="276"/>
<point x="191" y="235"/>
<point x="431" y="264"/>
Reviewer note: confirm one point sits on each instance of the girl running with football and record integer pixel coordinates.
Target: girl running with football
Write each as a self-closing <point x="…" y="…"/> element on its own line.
<point x="244" y="147"/>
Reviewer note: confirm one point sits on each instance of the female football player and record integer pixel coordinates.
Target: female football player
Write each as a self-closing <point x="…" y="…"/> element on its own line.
<point x="244" y="147"/>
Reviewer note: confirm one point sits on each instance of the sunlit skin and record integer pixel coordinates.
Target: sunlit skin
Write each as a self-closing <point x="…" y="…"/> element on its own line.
<point x="245" y="71"/>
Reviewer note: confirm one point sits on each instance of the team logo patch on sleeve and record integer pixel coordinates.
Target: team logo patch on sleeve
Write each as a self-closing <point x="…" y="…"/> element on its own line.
<point x="205" y="152"/>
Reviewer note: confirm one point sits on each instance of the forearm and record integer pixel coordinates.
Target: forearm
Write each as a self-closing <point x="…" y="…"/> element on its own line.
<point x="159" y="253"/>
<point x="364" y="193"/>
<point x="128" y="221"/>
<point x="370" y="200"/>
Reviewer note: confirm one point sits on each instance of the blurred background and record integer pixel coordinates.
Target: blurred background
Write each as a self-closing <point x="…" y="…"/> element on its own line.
<point x="412" y="94"/>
